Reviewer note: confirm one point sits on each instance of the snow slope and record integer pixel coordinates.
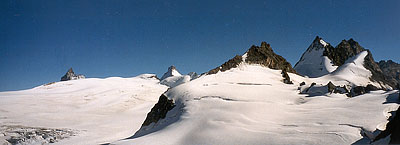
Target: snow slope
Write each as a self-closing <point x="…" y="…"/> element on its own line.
<point x="251" y="105"/>
<point x="312" y="63"/>
<point x="173" y="81"/>
<point x="96" y="110"/>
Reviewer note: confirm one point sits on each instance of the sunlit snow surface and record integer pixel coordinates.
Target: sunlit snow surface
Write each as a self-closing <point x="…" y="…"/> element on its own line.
<point x="251" y="105"/>
<point x="97" y="110"/>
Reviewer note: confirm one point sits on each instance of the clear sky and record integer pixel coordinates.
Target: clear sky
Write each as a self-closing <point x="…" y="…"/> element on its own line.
<point x="40" y="40"/>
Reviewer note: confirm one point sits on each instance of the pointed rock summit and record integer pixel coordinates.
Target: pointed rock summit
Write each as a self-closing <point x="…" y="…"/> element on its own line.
<point x="70" y="75"/>
<point x="172" y="71"/>
<point x="313" y="63"/>
<point x="263" y="55"/>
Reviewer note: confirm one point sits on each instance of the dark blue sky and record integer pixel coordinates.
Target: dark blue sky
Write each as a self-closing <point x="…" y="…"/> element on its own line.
<point x="40" y="40"/>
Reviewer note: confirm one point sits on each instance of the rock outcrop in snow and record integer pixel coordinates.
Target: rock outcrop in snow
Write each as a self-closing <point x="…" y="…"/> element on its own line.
<point x="70" y="75"/>
<point x="159" y="111"/>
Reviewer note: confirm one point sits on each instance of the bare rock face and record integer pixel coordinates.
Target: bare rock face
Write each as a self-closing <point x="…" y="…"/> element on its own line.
<point x="159" y="111"/>
<point x="232" y="63"/>
<point x="391" y="70"/>
<point x="392" y="129"/>
<point x="265" y="56"/>
<point x="70" y="75"/>
<point x="331" y="87"/>
<point x="342" y="52"/>
<point x="286" y="78"/>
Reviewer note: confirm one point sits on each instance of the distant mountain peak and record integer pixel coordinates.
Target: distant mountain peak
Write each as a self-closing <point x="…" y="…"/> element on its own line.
<point x="172" y="71"/>
<point x="70" y="75"/>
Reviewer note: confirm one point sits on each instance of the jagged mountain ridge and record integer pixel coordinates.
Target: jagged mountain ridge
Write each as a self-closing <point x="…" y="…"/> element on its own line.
<point x="334" y="57"/>
<point x="262" y="55"/>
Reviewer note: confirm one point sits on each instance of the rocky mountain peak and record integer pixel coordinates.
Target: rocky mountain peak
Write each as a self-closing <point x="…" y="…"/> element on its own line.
<point x="172" y="71"/>
<point x="70" y="71"/>
<point x="263" y="55"/>
<point x="266" y="45"/>
<point x="312" y="63"/>
<point x="343" y="51"/>
<point x="70" y="75"/>
<point x="318" y="41"/>
<point x="171" y="68"/>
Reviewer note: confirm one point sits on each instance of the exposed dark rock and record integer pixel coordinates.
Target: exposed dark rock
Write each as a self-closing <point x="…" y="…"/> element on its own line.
<point x="392" y="129"/>
<point x="360" y="90"/>
<point x="370" y="88"/>
<point x="232" y="63"/>
<point x="286" y="78"/>
<point x="343" y="51"/>
<point x="265" y="56"/>
<point x="398" y="88"/>
<point x="70" y="75"/>
<point x="308" y="89"/>
<point x="159" y="111"/>
<point x="302" y="83"/>
<point x="331" y="87"/>
<point x="391" y="70"/>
